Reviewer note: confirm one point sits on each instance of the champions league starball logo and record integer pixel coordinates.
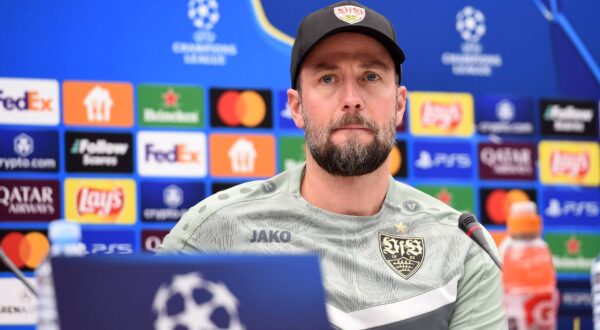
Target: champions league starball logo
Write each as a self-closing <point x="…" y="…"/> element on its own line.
<point x="204" y="50"/>
<point x="194" y="303"/>
<point x="471" y="61"/>
<point x="470" y="24"/>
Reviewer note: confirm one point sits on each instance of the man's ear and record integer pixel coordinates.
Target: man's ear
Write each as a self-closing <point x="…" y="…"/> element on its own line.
<point x="295" y="107"/>
<point x="401" y="104"/>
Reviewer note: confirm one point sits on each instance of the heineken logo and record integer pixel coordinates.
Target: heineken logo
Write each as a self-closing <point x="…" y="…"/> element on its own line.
<point x="404" y="255"/>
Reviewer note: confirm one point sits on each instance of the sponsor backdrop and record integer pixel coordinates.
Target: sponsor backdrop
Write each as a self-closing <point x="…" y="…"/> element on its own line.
<point x="122" y="115"/>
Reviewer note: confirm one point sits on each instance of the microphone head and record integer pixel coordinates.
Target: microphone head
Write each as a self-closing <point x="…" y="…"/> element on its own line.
<point x="466" y="220"/>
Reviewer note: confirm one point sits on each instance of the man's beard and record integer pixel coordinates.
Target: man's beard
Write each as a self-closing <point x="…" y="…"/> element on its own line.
<point x="353" y="158"/>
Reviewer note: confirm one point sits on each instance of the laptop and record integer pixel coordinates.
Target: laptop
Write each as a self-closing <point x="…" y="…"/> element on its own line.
<point x="190" y="292"/>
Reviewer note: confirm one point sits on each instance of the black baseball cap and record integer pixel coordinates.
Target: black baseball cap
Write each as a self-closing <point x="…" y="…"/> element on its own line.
<point x="344" y="16"/>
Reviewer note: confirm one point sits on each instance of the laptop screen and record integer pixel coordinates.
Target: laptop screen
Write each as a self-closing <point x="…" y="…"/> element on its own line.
<point x="190" y="292"/>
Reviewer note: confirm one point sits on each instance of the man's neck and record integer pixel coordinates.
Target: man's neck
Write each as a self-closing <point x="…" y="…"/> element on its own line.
<point x="356" y="195"/>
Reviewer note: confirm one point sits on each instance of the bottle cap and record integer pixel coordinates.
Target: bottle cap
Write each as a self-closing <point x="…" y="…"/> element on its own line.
<point x="523" y="219"/>
<point x="62" y="231"/>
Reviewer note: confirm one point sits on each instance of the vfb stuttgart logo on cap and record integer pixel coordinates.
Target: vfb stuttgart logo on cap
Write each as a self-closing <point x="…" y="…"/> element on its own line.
<point x="403" y="254"/>
<point x="349" y="14"/>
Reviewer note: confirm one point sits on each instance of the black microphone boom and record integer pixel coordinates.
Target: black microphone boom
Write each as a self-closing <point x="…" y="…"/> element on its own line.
<point x="16" y="271"/>
<point x="469" y="224"/>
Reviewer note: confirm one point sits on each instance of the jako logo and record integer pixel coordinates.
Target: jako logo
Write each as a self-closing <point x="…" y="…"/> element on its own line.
<point x="442" y="115"/>
<point x="25" y="250"/>
<point x="179" y="153"/>
<point x="574" y="164"/>
<point x="106" y="203"/>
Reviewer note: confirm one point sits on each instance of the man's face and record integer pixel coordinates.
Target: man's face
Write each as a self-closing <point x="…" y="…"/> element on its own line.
<point x="349" y="104"/>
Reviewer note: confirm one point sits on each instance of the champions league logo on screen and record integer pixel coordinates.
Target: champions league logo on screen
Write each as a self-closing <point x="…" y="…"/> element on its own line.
<point x="203" y="50"/>
<point x="471" y="61"/>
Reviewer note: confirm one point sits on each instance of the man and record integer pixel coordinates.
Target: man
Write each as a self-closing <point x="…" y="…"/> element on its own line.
<point x="392" y="257"/>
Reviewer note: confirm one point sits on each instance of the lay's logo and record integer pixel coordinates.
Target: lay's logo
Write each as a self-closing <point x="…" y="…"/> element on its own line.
<point x="445" y="114"/>
<point x="106" y="203"/>
<point x="575" y="163"/>
<point x="100" y="201"/>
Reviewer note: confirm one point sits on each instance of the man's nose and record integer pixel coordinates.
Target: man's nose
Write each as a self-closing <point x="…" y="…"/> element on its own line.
<point x="351" y="97"/>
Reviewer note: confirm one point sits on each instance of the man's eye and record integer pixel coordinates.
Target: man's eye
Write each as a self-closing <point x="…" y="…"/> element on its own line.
<point x="327" y="79"/>
<point x="372" y="76"/>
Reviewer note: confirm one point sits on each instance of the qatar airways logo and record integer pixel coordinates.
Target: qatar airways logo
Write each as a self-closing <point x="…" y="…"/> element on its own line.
<point x="442" y="115"/>
<point x="573" y="164"/>
<point x="509" y="161"/>
<point x="101" y="202"/>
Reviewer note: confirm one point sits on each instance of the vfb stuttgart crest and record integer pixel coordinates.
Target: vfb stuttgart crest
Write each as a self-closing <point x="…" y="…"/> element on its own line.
<point x="403" y="254"/>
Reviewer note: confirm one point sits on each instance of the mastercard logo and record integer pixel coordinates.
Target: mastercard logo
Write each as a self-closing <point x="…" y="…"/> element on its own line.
<point x="240" y="108"/>
<point x="246" y="108"/>
<point x="397" y="159"/>
<point x="499" y="202"/>
<point x="26" y="250"/>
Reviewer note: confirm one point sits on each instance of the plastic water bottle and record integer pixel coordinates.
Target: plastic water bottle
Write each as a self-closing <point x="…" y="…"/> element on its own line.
<point x="65" y="240"/>
<point x="530" y="294"/>
<point x="596" y="292"/>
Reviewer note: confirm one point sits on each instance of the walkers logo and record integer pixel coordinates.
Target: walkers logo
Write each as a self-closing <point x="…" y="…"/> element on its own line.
<point x="574" y="252"/>
<point x="569" y="118"/>
<point x="495" y="204"/>
<point x="471" y="61"/>
<point x="175" y="106"/>
<point x="108" y="241"/>
<point x="98" y="104"/>
<point x="29" y="101"/>
<point x="152" y="239"/>
<point x="507" y="161"/>
<point x="99" y="152"/>
<point x="291" y="152"/>
<point x="458" y="197"/>
<point x="26" y="249"/>
<point x="447" y="160"/>
<point x="30" y="151"/>
<point x="166" y="201"/>
<point x="497" y="114"/>
<point x="398" y="164"/>
<point x="445" y="114"/>
<point x="171" y="154"/>
<point x="571" y="207"/>
<point x="29" y="200"/>
<point x="18" y="306"/>
<point x="242" y="155"/>
<point x="240" y="108"/>
<point x="100" y="201"/>
<point x="575" y="163"/>
<point x="204" y="15"/>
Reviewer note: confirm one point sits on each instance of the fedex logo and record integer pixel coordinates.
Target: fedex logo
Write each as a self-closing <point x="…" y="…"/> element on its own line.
<point x="102" y="202"/>
<point x="180" y="153"/>
<point x="171" y="154"/>
<point x="574" y="164"/>
<point x="442" y="115"/>
<point x="29" y="101"/>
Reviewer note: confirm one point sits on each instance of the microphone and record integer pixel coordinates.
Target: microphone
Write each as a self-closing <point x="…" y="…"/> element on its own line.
<point x="469" y="224"/>
<point x="16" y="271"/>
